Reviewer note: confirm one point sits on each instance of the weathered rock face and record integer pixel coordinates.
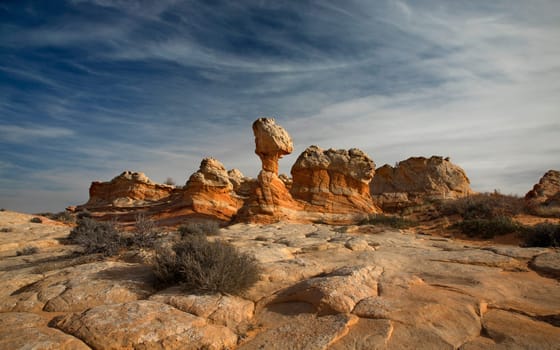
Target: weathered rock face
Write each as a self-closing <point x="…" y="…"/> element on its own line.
<point x="335" y="180"/>
<point x="417" y="179"/>
<point x="272" y="142"/>
<point x="210" y="192"/>
<point x="547" y="191"/>
<point x="127" y="189"/>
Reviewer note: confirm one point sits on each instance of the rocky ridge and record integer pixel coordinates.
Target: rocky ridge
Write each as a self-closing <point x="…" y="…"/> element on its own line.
<point x="326" y="186"/>
<point x="544" y="197"/>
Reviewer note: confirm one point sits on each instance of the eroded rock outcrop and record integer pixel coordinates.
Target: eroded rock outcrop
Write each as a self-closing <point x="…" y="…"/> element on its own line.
<point x="544" y="198"/>
<point x="417" y="179"/>
<point x="209" y="191"/>
<point x="334" y="181"/>
<point x="127" y="189"/>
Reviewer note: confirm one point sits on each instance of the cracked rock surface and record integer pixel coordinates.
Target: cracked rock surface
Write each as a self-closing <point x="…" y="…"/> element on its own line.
<point x="321" y="287"/>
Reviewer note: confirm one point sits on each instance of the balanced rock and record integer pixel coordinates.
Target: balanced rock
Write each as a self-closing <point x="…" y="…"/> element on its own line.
<point x="545" y="196"/>
<point x="127" y="189"/>
<point x="417" y="179"/>
<point x="272" y="143"/>
<point x="334" y="180"/>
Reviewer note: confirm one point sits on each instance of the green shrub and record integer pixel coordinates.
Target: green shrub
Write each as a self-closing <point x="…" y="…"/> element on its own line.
<point x="542" y="235"/>
<point x="483" y="206"/>
<point x="203" y="266"/>
<point x="488" y="228"/>
<point x="97" y="237"/>
<point x="145" y="233"/>
<point x="29" y="250"/>
<point x="36" y="220"/>
<point x="388" y="220"/>
<point x="208" y="228"/>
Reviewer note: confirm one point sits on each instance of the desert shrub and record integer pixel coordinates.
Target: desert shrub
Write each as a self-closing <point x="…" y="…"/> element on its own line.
<point x="545" y="211"/>
<point x="542" y="235"/>
<point x="83" y="214"/>
<point x="209" y="228"/>
<point x="97" y="237"/>
<point x="388" y="220"/>
<point x="36" y="220"/>
<point x="145" y="233"/>
<point x="483" y="206"/>
<point x="203" y="266"/>
<point x="29" y="250"/>
<point x="488" y="228"/>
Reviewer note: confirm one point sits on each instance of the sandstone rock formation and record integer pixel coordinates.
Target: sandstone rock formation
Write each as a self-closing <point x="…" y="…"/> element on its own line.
<point x="126" y="190"/>
<point x="544" y="198"/>
<point x="330" y="186"/>
<point x="209" y="191"/>
<point x="417" y="179"/>
<point x="336" y="180"/>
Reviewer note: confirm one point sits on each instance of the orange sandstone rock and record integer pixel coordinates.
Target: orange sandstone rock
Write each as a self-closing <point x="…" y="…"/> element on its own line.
<point x="417" y="179"/>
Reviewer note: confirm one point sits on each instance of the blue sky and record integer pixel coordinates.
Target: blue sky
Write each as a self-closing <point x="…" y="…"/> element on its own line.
<point x="89" y="88"/>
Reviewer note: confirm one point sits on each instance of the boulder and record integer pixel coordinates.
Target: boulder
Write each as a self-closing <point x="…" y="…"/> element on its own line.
<point x="413" y="181"/>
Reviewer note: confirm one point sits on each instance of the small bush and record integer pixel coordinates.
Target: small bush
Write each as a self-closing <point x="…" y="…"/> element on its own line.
<point x="36" y="220"/>
<point x="203" y="266"/>
<point x="388" y="220"/>
<point x="488" y="228"/>
<point x="542" y="235"/>
<point x="29" y="250"/>
<point x="208" y="228"/>
<point x="97" y="237"/>
<point x="145" y="233"/>
<point x="483" y="206"/>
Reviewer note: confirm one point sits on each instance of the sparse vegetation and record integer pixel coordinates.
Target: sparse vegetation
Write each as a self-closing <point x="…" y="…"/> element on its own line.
<point x="542" y="235"/>
<point x="29" y="250"/>
<point x="388" y="220"/>
<point x="145" y="233"/>
<point x="203" y="266"/>
<point x="97" y="237"/>
<point x="488" y="228"/>
<point x="208" y="228"/>
<point x="62" y="216"/>
<point x="169" y="181"/>
<point x="483" y="206"/>
<point x="36" y="220"/>
<point x="546" y="211"/>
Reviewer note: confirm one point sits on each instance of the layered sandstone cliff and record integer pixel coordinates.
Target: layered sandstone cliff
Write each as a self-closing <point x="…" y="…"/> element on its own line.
<point x="417" y="179"/>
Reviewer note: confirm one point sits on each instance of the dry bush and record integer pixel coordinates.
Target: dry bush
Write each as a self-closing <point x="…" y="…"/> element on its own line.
<point x="145" y="234"/>
<point x="29" y="250"/>
<point x="488" y="228"/>
<point x="36" y="220"/>
<point x="208" y="228"/>
<point x="203" y="266"/>
<point x="542" y="235"/>
<point x="97" y="237"/>
<point x="483" y="206"/>
<point x="388" y="220"/>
